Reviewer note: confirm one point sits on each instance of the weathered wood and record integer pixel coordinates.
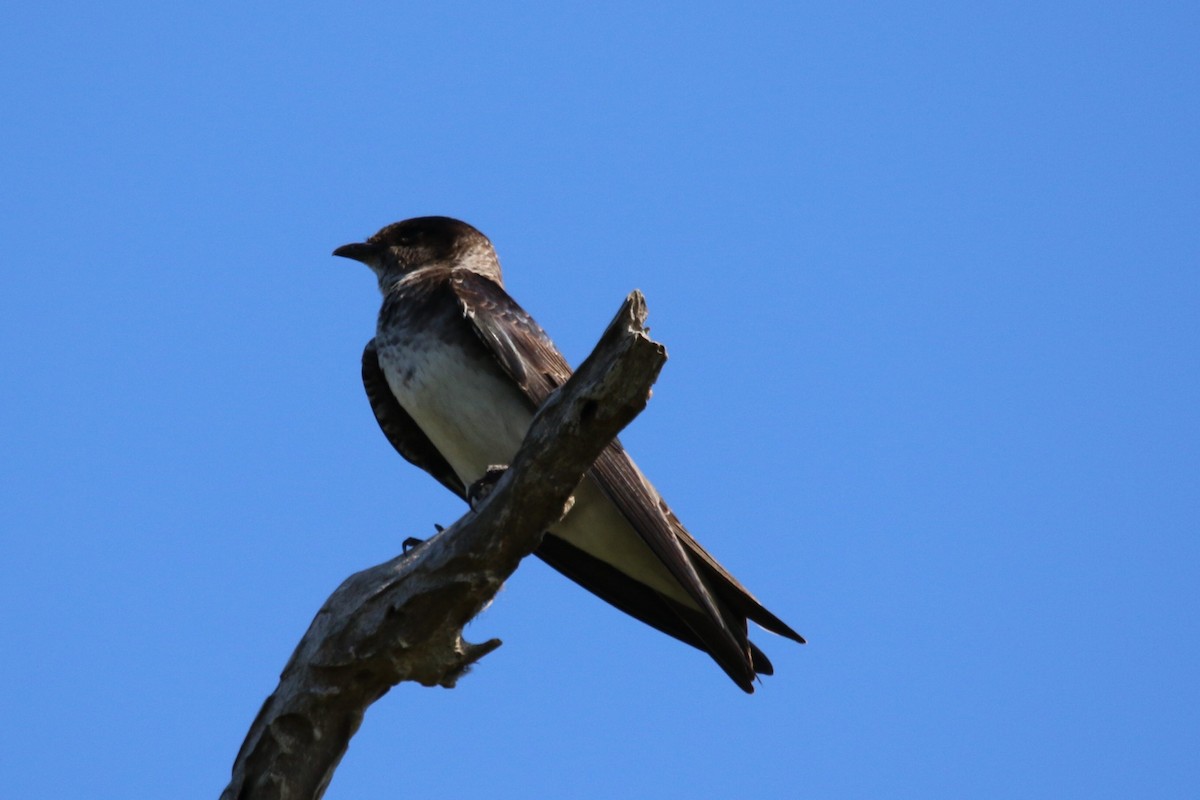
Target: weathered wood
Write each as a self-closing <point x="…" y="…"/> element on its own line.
<point x="403" y="620"/>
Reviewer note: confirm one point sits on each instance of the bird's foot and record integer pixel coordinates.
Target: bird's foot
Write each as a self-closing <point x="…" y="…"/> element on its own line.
<point x="480" y="489"/>
<point x="413" y="542"/>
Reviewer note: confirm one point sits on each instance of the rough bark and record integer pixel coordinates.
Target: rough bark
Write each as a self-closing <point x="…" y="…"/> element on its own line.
<point x="402" y="620"/>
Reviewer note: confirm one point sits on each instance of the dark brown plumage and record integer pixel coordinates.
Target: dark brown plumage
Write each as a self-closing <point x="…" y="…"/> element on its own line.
<point x="443" y="299"/>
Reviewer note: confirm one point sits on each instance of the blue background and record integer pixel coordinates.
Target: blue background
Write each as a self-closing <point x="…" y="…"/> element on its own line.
<point x="928" y="275"/>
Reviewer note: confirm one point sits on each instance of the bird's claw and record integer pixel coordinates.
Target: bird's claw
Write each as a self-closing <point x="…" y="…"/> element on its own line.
<point x="478" y="491"/>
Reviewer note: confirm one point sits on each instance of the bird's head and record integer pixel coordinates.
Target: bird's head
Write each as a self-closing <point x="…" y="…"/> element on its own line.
<point x="402" y="248"/>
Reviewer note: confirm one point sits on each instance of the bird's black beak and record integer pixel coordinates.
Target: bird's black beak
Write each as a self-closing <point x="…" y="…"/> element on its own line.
<point x="359" y="251"/>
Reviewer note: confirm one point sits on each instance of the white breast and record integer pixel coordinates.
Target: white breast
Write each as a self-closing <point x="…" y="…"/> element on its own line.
<point x="469" y="409"/>
<point x="476" y="417"/>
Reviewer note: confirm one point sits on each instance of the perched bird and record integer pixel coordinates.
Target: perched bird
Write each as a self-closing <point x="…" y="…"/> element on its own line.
<point x="454" y="375"/>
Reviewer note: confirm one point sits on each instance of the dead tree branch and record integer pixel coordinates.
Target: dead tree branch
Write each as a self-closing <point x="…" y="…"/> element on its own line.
<point x="403" y="620"/>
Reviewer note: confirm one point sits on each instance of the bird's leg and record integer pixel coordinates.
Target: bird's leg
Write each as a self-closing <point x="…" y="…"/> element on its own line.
<point x="480" y="489"/>
<point x="413" y="542"/>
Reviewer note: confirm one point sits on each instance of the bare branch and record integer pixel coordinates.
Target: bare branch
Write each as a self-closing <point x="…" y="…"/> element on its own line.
<point x="403" y="620"/>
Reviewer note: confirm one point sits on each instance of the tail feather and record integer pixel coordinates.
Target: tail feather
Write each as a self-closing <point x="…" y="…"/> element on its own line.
<point x="655" y="609"/>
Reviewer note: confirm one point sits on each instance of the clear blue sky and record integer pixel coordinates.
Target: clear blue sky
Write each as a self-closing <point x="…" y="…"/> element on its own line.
<point x="929" y="276"/>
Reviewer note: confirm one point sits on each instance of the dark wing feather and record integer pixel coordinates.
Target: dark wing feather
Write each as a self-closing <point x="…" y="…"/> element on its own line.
<point x="635" y="599"/>
<point x="530" y="358"/>
<point x="625" y="486"/>
<point x="520" y="345"/>
<point x="728" y="587"/>
<point x="400" y="429"/>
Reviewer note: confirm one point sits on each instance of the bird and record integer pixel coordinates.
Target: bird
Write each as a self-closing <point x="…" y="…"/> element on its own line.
<point x="454" y="375"/>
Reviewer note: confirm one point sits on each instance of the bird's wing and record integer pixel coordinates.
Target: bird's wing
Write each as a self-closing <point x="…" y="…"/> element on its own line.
<point x="530" y="358"/>
<point x="727" y="586"/>
<point x="400" y="429"/>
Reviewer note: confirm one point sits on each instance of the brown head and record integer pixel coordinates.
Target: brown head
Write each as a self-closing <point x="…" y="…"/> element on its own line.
<point x="402" y="248"/>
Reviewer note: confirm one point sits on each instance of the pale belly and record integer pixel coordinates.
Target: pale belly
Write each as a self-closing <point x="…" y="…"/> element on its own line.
<point x="476" y="417"/>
